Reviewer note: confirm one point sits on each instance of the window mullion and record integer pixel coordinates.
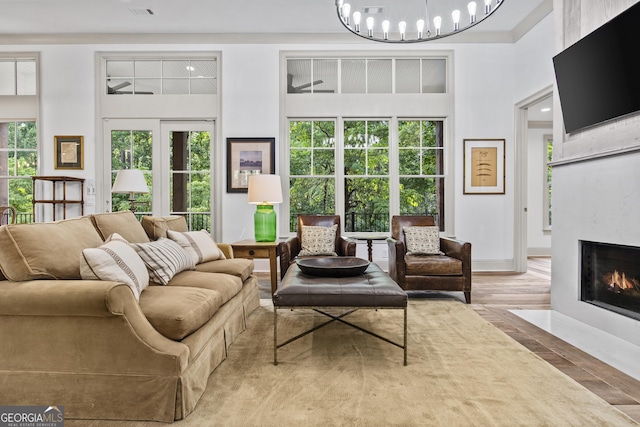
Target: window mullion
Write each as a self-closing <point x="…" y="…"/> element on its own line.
<point x="339" y="170"/>
<point x="394" y="167"/>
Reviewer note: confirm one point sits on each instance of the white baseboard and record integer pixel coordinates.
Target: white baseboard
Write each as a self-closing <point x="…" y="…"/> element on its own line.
<point x="538" y="251"/>
<point x="492" y="265"/>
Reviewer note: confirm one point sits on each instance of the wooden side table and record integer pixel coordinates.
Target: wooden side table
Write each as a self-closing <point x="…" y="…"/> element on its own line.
<point x="251" y="249"/>
<point x="370" y="240"/>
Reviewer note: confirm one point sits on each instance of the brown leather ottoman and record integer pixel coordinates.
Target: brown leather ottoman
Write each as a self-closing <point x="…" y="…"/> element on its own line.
<point x="374" y="289"/>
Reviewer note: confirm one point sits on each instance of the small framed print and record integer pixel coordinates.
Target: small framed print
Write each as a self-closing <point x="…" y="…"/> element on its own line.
<point x="69" y="152"/>
<point x="248" y="156"/>
<point x="484" y="164"/>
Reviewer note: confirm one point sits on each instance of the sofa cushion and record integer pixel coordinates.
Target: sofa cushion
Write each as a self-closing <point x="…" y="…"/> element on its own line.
<point x="433" y="265"/>
<point x="116" y="261"/>
<point x="198" y="244"/>
<point x="317" y="240"/>
<point x="239" y="267"/>
<point x="27" y="250"/>
<point x="422" y="240"/>
<point x="228" y="286"/>
<point x="124" y="223"/>
<point x="164" y="259"/>
<point x="157" y="226"/>
<point x="177" y="311"/>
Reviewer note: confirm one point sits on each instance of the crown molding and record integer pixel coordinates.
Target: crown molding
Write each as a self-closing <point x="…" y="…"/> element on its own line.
<point x="238" y="38"/>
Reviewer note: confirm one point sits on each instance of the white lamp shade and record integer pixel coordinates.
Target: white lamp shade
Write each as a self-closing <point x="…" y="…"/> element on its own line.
<point x="264" y="189"/>
<point x="130" y="181"/>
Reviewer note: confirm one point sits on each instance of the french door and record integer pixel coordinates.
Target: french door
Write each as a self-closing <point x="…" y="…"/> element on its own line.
<point x="176" y="158"/>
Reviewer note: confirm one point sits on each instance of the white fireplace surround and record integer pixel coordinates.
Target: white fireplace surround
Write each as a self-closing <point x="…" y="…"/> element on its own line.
<point x="596" y="183"/>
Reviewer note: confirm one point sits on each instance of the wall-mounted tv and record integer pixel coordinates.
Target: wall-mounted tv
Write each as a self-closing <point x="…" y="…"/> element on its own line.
<point x="598" y="77"/>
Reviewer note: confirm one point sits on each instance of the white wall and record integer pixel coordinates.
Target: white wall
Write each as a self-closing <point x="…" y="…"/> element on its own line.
<point x="487" y="83"/>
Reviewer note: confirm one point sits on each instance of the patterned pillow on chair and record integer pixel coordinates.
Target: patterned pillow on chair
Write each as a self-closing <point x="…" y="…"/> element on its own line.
<point x="422" y="240"/>
<point x="318" y="240"/>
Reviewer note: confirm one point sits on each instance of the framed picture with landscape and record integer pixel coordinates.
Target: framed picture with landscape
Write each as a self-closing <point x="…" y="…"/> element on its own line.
<point x="248" y="156"/>
<point x="484" y="166"/>
<point x="69" y="152"/>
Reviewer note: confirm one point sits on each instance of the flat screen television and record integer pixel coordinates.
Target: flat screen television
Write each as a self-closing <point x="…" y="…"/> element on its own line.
<point x="598" y="77"/>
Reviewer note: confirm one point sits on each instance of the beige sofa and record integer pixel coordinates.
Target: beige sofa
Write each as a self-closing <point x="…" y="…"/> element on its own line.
<point x="90" y="346"/>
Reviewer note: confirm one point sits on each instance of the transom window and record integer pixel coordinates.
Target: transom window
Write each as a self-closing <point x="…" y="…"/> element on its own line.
<point x="17" y="76"/>
<point x="161" y="77"/>
<point x="366" y="75"/>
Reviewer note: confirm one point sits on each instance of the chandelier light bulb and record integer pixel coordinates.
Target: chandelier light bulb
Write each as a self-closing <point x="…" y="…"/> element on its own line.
<point x="455" y="15"/>
<point x="385" y="29"/>
<point x="356" y="20"/>
<point x="402" y="27"/>
<point x="487" y="7"/>
<point x="472" y="11"/>
<point x="437" y="22"/>
<point x="346" y="12"/>
<point x="370" y="22"/>
<point x="420" y="25"/>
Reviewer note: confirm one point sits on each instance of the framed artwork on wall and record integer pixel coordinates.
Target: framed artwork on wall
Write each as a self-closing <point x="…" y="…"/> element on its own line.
<point x="484" y="164"/>
<point x="68" y="152"/>
<point x="248" y="156"/>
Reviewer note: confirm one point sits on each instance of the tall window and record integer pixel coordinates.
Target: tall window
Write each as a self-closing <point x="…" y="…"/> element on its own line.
<point x="367" y="136"/>
<point x="18" y="163"/>
<point x="312" y="171"/>
<point x="421" y="168"/>
<point x="366" y="150"/>
<point x="548" y="147"/>
<point x="366" y="175"/>
<point x="132" y="149"/>
<point x="190" y="187"/>
<point x="18" y="132"/>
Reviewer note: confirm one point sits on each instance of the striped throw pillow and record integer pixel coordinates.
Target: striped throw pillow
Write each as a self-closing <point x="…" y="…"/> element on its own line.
<point x="198" y="244"/>
<point x="116" y="261"/>
<point x="164" y="259"/>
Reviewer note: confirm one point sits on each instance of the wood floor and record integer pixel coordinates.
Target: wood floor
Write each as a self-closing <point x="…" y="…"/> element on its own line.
<point x="494" y="294"/>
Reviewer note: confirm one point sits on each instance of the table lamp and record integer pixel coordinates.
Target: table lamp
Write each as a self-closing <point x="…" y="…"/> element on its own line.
<point x="130" y="181"/>
<point x="264" y="191"/>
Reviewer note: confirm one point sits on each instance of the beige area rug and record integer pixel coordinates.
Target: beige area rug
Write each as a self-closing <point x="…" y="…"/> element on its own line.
<point x="462" y="372"/>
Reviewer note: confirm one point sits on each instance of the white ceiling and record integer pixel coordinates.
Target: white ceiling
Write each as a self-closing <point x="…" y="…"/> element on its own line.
<point x="240" y="17"/>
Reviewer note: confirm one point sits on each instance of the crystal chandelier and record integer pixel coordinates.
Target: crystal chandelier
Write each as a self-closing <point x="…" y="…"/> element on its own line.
<point x="438" y="18"/>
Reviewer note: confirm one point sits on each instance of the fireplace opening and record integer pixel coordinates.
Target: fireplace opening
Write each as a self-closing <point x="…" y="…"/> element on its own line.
<point x="611" y="277"/>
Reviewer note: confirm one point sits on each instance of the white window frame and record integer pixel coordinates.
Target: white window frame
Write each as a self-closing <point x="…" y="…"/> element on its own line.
<point x="189" y="107"/>
<point x="392" y="107"/>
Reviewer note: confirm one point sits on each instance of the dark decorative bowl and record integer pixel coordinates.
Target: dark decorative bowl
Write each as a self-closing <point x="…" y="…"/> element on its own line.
<point x="342" y="266"/>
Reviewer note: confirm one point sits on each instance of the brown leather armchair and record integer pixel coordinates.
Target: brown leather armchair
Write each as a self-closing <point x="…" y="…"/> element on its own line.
<point x="290" y="248"/>
<point x="448" y="272"/>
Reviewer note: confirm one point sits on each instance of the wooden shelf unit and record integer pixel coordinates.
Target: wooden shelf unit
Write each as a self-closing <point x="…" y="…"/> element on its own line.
<point x="55" y="200"/>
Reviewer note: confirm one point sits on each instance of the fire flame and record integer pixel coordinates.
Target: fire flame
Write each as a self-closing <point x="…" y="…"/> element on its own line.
<point x="620" y="281"/>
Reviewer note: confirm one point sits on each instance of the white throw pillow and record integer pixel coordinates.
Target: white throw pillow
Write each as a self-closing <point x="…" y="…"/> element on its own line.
<point x="116" y="261"/>
<point x="423" y="240"/>
<point x="318" y="240"/>
<point x="164" y="259"/>
<point x="198" y="244"/>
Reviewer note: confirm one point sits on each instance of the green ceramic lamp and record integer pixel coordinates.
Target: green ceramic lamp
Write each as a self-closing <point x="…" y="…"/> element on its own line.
<point x="264" y="191"/>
